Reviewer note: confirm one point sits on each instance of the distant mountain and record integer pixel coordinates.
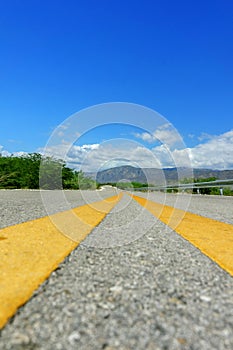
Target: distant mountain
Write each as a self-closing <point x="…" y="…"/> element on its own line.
<point x="122" y="173"/>
<point x="219" y="174"/>
<point x="156" y="176"/>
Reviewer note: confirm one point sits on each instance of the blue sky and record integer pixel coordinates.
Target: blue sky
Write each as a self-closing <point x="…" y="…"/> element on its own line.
<point x="58" y="57"/>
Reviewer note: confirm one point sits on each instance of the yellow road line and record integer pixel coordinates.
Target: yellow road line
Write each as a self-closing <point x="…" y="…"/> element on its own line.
<point x="211" y="237"/>
<point x="30" y="251"/>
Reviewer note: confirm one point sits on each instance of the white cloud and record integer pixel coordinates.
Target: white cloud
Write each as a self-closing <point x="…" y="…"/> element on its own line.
<point x="204" y="137"/>
<point x="95" y="156"/>
<point x="108" y="155"/>
<point x="6" y="153"/>
<point x="216" y="153"/>
<point x="145" y="136"/>
<point x="3" y="152"/>
<point x="165" y="134"/>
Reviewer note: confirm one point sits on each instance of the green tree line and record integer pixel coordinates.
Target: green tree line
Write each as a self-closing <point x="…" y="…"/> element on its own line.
<point x="34" y="171"/>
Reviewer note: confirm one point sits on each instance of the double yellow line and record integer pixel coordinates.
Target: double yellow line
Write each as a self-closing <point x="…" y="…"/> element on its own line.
<point x="30" y="251"/>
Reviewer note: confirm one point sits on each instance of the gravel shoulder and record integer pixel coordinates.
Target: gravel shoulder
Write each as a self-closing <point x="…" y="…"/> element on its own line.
<point x="129" y="286"/>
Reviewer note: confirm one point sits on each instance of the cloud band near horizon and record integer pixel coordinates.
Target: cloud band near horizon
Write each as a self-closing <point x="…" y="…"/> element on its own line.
<point x="215" y="153"/>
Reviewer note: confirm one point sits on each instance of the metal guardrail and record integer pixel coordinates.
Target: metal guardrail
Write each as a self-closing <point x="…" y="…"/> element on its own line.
<point x="193" y="185"/>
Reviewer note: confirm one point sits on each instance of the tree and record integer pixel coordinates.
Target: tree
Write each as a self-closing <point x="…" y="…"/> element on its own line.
<point x="36" y="171"/>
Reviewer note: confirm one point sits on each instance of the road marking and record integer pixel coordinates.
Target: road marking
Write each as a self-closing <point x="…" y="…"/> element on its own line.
<point x="211" y="237"/>
<point x="30" y="251"/>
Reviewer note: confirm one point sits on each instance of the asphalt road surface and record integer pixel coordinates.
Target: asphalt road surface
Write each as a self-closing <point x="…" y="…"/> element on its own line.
<point x="132" y="284"/>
